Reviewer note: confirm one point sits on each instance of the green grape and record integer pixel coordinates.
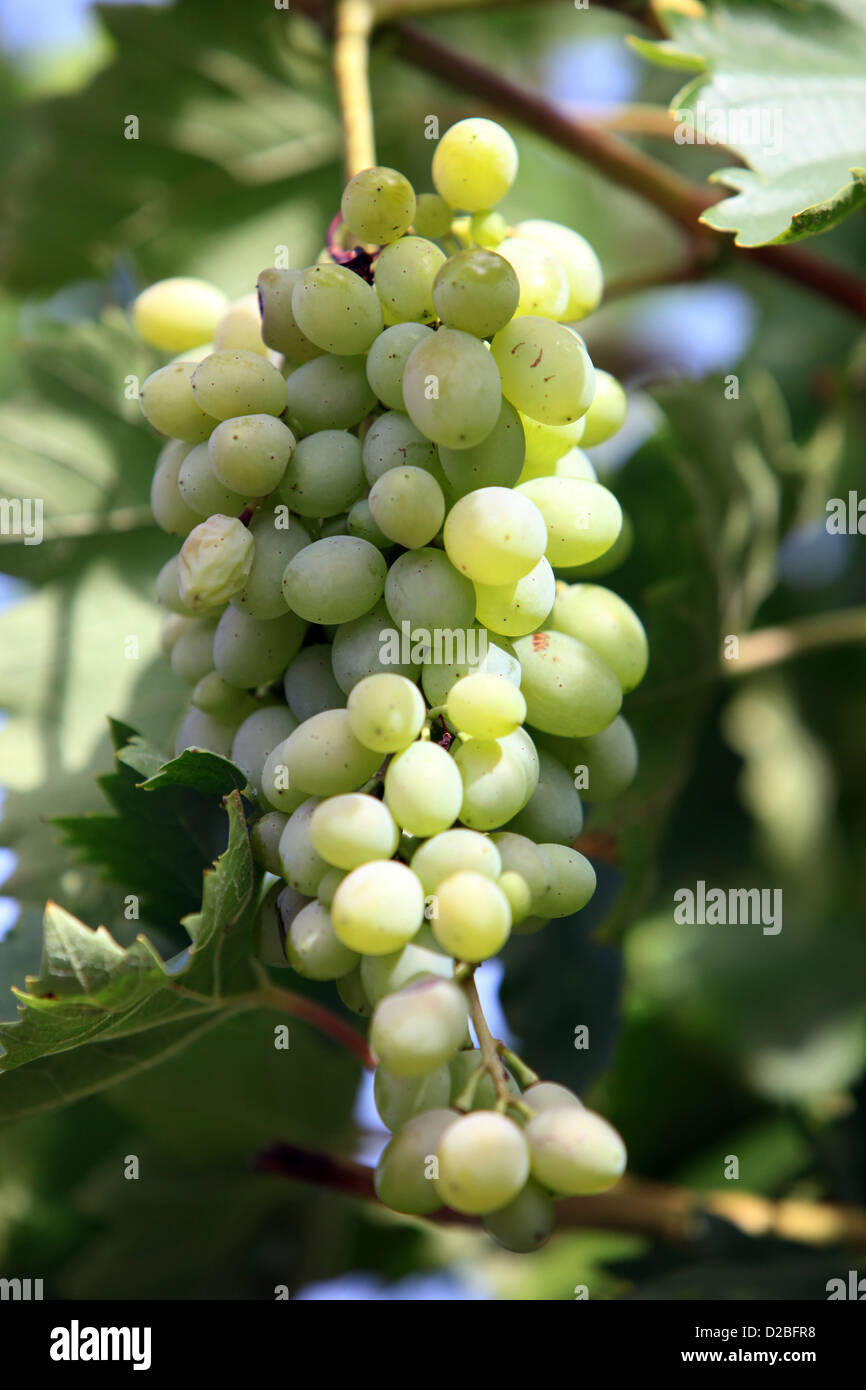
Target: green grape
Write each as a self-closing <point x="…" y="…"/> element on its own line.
<point x="408" y="505"/>
<point x="337" y="310"/>
<point x="370" y="645"/>
<point x="334" y="526"/>
<point x="475" y="164"/>
<point x="575" y="1152"/>
<point x="265" y="840"/>
<point x="386" y="712"/>
<point x="424" y="590"/>
<point x="541" y="277"/>
<point x="300" y="865"/>
<point x="232" y="383"/>
<point x="192" y="653"/>
<point x="387" y="358"/>
<point x="494" y="783"/>
<point x="268" y="933"/>
<point x="583" y="518"/>
<point x="202" y="490"/>
<point x="249" y="454"/>
<point x="433" y="216"/>
<point x="200" y="730"/>
<point x="485" y="706"/>
<point x="483" y="1162"/>
<point x="212" y="695"/>
<point x="473" y="919"/>
<point x="392" y="441"/>
<point x="361" y="523"/>
<point x="381" y="975"/>
<point x="324" y="474"/>
<point x="214" y="562"/>
<point x="453" y="851"/>
<point x="517" y="609"/>
<point x="378" y="908"/>
<point x="481" y="655"/>
<point x="378" y="205"/>
<point x="328" y="885"/>
<point x="495" y="462"/>
<point x="547" y="443"/>
<point x="403" y="1177"/>
<point x="488" y="228"/>
<point x="604" y="764"/>
<point x="421" y="1027"/>
<point x="351" y="829"/>
<point x="452" y="389"/>
<point x="328" y="393"/>
<point x="522" y="856"/>
<point x="476" y="291"/>
<point x="524" y="1223"/>
<point x="334" y="580"/>
<point x="549" y="1095"/>
<point x="277" y="788"/>
<point x="607" y="413"/>
<point x="605" y="622"/>
<point x="572" y="464"/>
<point x="312" y="947"/>
<point x="279" y="326"/>
<point x="241" y="327"/>
<point x="516" y="890"/>
<point x="324" y="758"/>
<point x="404" y="276"/>
<point x="257" y="736"/>
<point x="573" y="882"/>
<point x="167" y="402"/>
<point x="582" y="266"/>
<point x="255" y="651"/>
<point x="400" y="1098"/>
<point x="546" y="370"/>
<point x="553" y="812"/>
<point x="610" y="560"/>
<point x="178" y="313"/>
<point x="568" y="688"/>
<point x="278" y="537"/>
<point x="171" y="512"/>
<point x="351" y="992"/>
<point x="495" y="535"/>
<point x="167" y="590"/>
<point x="309" y="682"/>
<point x="423" y="789"/>
<point x="463" y="1067"/>
<point x="174" y="625"/>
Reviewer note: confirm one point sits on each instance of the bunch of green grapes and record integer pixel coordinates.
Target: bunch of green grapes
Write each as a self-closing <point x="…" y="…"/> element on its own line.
<point x="384" y="607"/>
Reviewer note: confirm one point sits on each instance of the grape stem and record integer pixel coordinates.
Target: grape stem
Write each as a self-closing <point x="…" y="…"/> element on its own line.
<point x="354" y="24"/>
<point x="492" y="1062"/>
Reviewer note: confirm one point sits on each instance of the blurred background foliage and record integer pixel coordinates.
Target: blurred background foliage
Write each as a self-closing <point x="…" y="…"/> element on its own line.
<point x="705" y="1041"/>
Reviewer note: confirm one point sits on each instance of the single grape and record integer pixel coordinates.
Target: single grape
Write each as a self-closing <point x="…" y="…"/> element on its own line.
<point x="171" y="512"/>
<point x="278" y="537"/>
<point x="554" y="811"/>
<point x="452" y="389"/>
<point x="328" y="393"/>
<point x="386" y="361"/>
<point x="547" y="443"/>
<point x="328" y="885"/>
<point x="575" y="1152"/>
<point x="495" y="462"/>
<point x="573" y="882"/>
<point x="605" y="622"/>
<point x="610" y="560"/>
<point x="386" y="712"/>
<point x="520" y="855"/>
<point x="568" y="688"/>
<point x="313" y="949"/>
<point x="516" y="890"/>
<point x="399" y="1099"/>
<point x="408" y="505"/>
<point x="423" y="789"/>
<point x="433" y="216"/>
<point x="494" y="783"/>
<point x="168" y="591"/>
<point x="404" y="1172"/>
<point x="279" y="327"/>
<point x="351" y="829"/>
<point x="475" y="164"/>
<point x="337" y="310"/>
<point x="517" y="609"/>
<point x="265" y="840"/>
<point x="549" y="1095"/>
<point x="494" y="537"/>
<point x="300" y="865"/>
<point x="212" y="695"/>
<point x="583" y="518"/>
<point x="369" y="645"/>
<point x="404" y="276"/>
<point x="324" y="476"/>
<point x="607" y="413"/>
<point x="378" y="205"/>
<point x="420" y="1028"/>
<point x="424" y="590"/>
<point x="381" y="975"/>
<point x="473" y="918"/>
<point x="476" y="291"/>
<point x="479" y="655"/>
<point x="192" y="652"/>
<point x="214" y="562"/>
<point x="392" y="441"/>
<point x="488" y="228"/>
<point x="255" y="651"/>
<point x="483" y="1162"/>
<point x="334" y="580"/>
<point x="541" y="277"/>
<point x="200" y="730"/>
<point x="227" y="384"/>
<point x="452" y="851"/>
<point x="485" y="706"/>
<point x="202" y="490"/>
<point x="525" y="1223"/>
<point x="581" y="264"/>
<point x="167" y="402"/>
<point x="574" y="463"/>
<point x="546" y="371"/>
<point x="378" y="908"/>
<point x="249" y="454"/>
<point x="309" y="682"/>
<point x="323" y="757"/>
<point x="178" y="313"/>
<point x="604" y="764"/>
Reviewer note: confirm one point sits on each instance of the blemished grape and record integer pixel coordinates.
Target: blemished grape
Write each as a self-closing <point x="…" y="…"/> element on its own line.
<point x="312" y="947"/>
<point x="249" y="454"/>
<point x="167" y="402"/>
<point x="309" y="682"/>
<point x="473" y="919"/>
<point x="517" y="609"/>
<point x="485" y="706"/>
<point x="452" y="389"/>
<point x="474" y="164"/>
<point x="399" y="1098"/>
<point x="546" y="371"/>
<point x="300" y="865"/>
<point x="476" y="291"/>
<point x="424" y="589"/>
<point x="433" y="216"/>
<point x="605" y="622"/>
<point x="214" y="562"/>
<point x="334" y="580"/>
<point x="337" y="310"/>
<point x="200" y="730"/>
<point x="378" y="908"/>
<point x="369" y="645"/>
<point x="483" y="1162"/>
<point x="495" y="535"/>
<point x="583" y="518"/>
<point x="423" y="789"/>
<point x="378" y="205"/>
<point x="421" y="1027"/>
<point x="525" y="1223"/>
<point x="381" y="975"/>
<point x="386" y="712"/>
<point x="171" y="512"/>
<point x="351" y="829"/>
<point x="496" y="462"/>
<point x="408" y="506"/>
<point x="549" y="1095"/>
<point x="392" y="441"/>
<point x="324" y="758"/>
<point x="227" y="384"/>
<point x="403" y="1177"/>
<point x="255" y="651"/>
<point x="452" y="851"/>
<point x="581" y="264"/>
<point x="278" y="538"/>
<point x="607" y="413"/>
<point x="574" y="1151"/>
<point x="202" y="490"/>
<point x="554" y="811"/>
<point x="386" y="361"/>
<point x="542" y="281"/>
<point x="178" y="313"/>
<point x="279" y="327"/>
<point x="404" y="276"/>
<point x="568" y="688"/>
<point x="573" y="882"/>
<point x="328" y="393"/>
<point x="265" y="840"/>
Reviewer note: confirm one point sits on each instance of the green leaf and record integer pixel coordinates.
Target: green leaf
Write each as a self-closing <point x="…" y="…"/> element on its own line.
<point x="784" y="87"/>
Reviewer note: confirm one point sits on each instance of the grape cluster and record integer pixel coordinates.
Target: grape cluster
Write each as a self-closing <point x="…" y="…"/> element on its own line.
<point x="382" y="607"/>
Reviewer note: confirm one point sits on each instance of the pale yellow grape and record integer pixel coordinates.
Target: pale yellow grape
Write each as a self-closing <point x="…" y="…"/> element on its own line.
<point x="378" y="907"/>
<point x="605" y="622"/>
<point x="519" y="745"/>
<point x="583" y="518"/>
<point x="378" y="204"/>
<point x="607" y="413"/>
<point x="453" y="850"/>
<point x="549" y="1095"/>
<point x="573" y="882"/>
<point x="478" y="654"/>
<point x="545" y="368"/>
<point x="483" y="1162"/>
<point x="423" y="789"/>
<point x="517" y="609"/>
<point x="544" y="444"/>
<point x="241" y="327"/>
<point x="575" y="1152"/>
<point x="178" y="313"/>
<point x="403" y="1177"/>
<point x="495" y="535"/>
<point x="381" y="975"/>
<point x="574" y="463"/>
<point x="350" y="829"/>
<point x="233" y="382"/>
<point x="473" y="916"/>
<point x="485" y="706"/>
<point x="386" y="712"/>
<point x="312" y="946"/>
<point x="421" y="1027"/>
<point x="542" y="278"/>
<point x="167" y="402"/>
<point x="474" y="164"/>
<point x="494" y="783"/>
<point x="582" y="266"/>
<point x="408" y="506"/>
<point x="516" y="890"/>
<point x="488" y="228"/>
<point x="568" y="688"/>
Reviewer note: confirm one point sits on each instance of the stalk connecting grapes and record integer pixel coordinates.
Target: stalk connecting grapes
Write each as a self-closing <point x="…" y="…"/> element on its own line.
<point x="384" y="609"/>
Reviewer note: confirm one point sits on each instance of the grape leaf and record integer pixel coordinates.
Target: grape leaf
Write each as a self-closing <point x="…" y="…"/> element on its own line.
<point x="784" y="87"/>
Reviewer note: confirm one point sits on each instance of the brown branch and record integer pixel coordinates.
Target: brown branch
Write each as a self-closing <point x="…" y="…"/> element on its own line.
<point x="771" y="645"/>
